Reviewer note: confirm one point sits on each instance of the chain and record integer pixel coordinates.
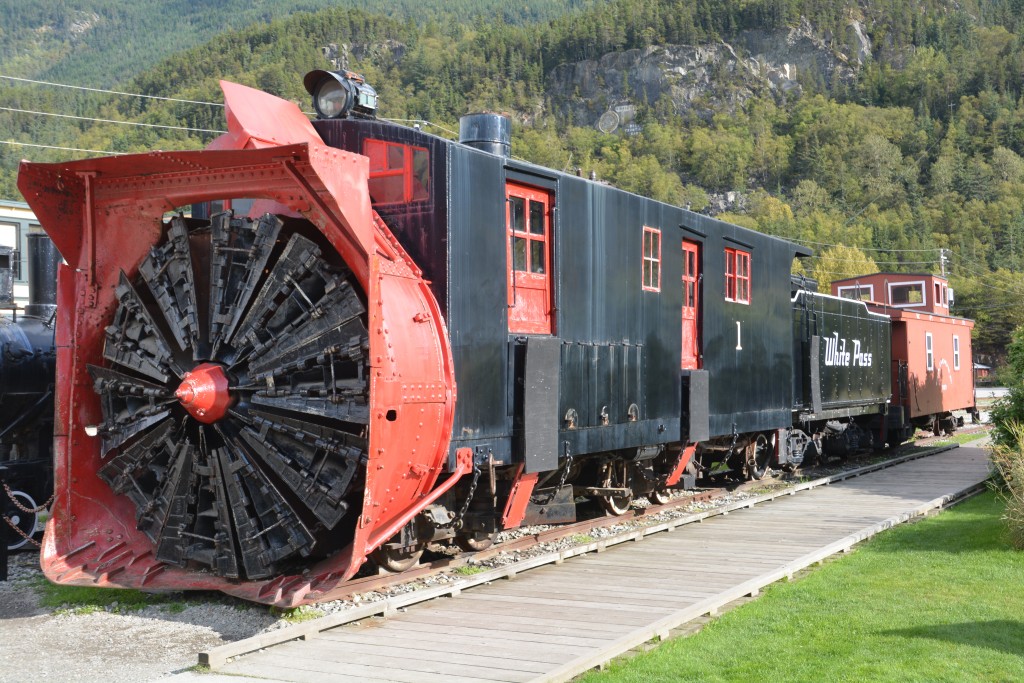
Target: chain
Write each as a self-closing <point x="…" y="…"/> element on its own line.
<point x="21" y="533"/>
<point x="561" y="480"/>
<point x="456" y="521"/>
<point x="30" y="511"/>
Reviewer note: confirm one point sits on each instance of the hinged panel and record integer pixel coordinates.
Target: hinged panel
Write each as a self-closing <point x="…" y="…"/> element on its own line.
<point x="540" y="418"/>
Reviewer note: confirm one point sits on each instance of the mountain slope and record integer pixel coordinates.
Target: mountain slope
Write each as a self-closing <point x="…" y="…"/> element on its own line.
<point x="916" y="146"/>
<point x="104" y="42"/>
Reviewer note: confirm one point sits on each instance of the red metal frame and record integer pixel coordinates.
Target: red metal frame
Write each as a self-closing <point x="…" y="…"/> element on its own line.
<point x="105" y="214"/>
<point x="677" y="471"/>
<point x="519" y="498"/>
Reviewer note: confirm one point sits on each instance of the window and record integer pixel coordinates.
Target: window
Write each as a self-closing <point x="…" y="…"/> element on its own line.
<point x="737" y="276"/>
<point x="652" y="260"/>
<point x="858" y="292"/>
<point x="956" y="352"/>
<point x="906" y="294"/>
<point x="10" y="236"/>
<point x="529" y="235"/>
<point x="399" y="174"/>
<point x="945" y="296"/>
<point x="929" y="355"/>
<point x="938" y="294"/>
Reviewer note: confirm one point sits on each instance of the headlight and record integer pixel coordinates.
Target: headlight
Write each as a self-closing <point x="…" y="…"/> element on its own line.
<point x="330" y="99"/>
<point x="336" y="94"/>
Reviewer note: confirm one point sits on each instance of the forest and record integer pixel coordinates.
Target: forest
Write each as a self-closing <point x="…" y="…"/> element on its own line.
<point x="915" y="165"/>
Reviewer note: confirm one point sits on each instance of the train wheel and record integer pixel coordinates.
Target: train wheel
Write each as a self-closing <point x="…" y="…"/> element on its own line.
<point x="396" y="560"/>
<point x="659" y="496"/>
<point x="759" y="457"/>
<point x="235" y="401"/>
<point x="476" y="541"/>
<point x="616" y="477"/>
<point x="24" y="522"/>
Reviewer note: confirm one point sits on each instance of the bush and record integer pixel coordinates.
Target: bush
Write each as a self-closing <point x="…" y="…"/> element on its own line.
<point x="1009" y="411"/>
<point x="1008" y="462"/>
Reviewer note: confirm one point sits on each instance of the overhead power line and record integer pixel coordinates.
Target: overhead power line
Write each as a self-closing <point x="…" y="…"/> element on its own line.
<point x="877" y="263"/>
<point x="423" y="122"/>
<point x="109" y="92"/>
<point x="981" y="283"/>
<point x="888" y="251"/>
<point x="66" y="149"/>
<point x="125" y="123"/>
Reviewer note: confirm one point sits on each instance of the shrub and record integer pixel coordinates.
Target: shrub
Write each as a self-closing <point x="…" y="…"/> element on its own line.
<point x="1008" y="461"/>
<point x="1009" y="411"/>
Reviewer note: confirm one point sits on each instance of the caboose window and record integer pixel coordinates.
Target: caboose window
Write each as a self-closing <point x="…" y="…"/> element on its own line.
<point x="399" y="174"/>
<point x="956" y="352"/>
<point x="906" y="294"/>
<point x="858" y="292"/>
<point x="652" y="260"/>
<point x="737" y="276"/>
<point x="929" y="354"/>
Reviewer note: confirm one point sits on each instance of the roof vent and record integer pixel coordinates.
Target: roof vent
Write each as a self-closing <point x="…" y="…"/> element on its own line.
<point x="487" y="132"/>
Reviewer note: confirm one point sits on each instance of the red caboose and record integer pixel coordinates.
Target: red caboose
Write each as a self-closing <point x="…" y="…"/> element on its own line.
<point x="931" y="349"/>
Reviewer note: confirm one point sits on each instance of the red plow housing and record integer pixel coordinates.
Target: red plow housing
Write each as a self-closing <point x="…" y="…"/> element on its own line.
<point x="249" y="405"/>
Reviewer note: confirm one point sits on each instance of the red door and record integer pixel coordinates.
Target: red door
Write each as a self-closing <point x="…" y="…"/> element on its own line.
<point x="691" y="306"/>
<point x="528" y="220"/>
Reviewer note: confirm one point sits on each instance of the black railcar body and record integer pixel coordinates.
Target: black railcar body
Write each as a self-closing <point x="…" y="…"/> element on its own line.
<point x="619" y="385"/>
<point x="841" y="387"/>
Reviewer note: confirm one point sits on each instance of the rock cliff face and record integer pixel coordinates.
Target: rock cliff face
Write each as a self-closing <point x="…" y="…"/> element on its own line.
<point x="706" y="78"/>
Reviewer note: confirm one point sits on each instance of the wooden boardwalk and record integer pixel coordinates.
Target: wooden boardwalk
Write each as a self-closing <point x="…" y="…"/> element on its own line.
<point x="554" y="622"/>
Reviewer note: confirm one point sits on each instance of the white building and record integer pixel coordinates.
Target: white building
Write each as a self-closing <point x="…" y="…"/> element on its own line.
<point x="16" y="222"/>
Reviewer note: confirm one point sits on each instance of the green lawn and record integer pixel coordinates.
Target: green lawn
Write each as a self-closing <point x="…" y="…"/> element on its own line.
<point x="939" y="600"/>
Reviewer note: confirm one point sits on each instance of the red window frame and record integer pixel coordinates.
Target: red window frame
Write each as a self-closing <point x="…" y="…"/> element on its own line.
<point x="651" y="275"/>
<point x="394" y="161"/>
<point x="737" y="275"/>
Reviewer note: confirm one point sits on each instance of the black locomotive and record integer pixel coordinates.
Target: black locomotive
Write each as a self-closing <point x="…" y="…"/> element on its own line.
<point x="27" y="361"/>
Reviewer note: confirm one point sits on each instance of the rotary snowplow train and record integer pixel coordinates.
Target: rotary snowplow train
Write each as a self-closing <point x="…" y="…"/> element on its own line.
<point x="362" y="339"/>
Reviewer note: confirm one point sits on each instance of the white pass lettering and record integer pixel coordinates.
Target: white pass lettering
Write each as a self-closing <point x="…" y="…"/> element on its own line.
<point x="838" y="355"/>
